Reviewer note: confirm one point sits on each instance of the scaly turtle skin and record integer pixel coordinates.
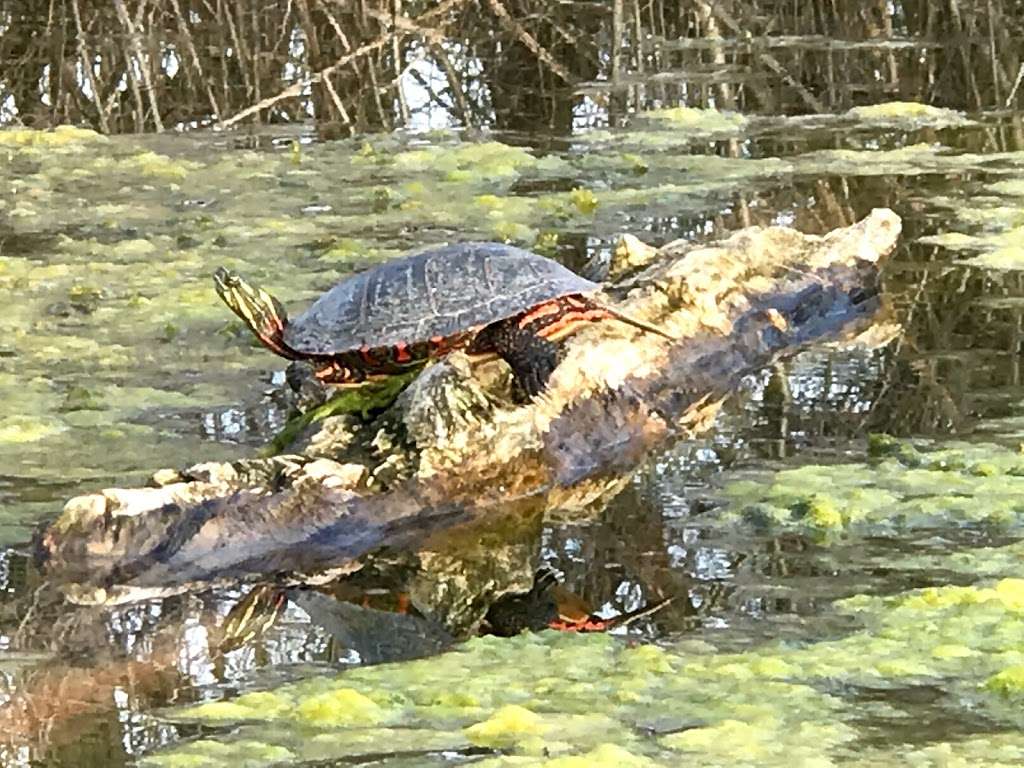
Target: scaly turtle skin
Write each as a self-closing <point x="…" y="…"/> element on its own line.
<point x="490" y="298"/>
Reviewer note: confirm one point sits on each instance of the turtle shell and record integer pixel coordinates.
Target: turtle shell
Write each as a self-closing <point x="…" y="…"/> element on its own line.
<point x="439" y="292"/>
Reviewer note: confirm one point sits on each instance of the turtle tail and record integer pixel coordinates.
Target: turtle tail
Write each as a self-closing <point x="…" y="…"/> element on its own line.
<point x="257" y="309"/>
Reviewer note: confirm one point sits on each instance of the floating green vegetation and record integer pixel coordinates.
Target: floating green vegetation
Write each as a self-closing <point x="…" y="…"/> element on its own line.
<point x="108" y="245"/>
<point x="361" y="400"/>
<point x="900" y="488"/>
<point x="693" y="120"/>
<point x="61" y="137"/>
<point x="995" y="221"/>
<point x="484" y="162"/>
<point x="562" y="700"/>
<point x="910" y="114"/>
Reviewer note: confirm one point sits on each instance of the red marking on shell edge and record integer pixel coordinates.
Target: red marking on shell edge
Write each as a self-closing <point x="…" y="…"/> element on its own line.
<point x="402" y="352"/>
<point x="366" y="355"/>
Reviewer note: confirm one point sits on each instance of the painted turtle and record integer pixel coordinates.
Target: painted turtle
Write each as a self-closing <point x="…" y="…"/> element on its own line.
<point x="489" y="298"/>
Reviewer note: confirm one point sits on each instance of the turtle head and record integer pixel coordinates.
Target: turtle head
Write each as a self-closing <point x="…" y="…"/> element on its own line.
<point x="257" y="309"/>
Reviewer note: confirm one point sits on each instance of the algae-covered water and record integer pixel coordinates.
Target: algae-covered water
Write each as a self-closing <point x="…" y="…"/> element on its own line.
<point x="834" y="600"/>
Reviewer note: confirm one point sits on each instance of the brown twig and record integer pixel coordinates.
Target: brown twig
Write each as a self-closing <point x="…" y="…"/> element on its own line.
<point x="138" y="70"/>
<point x="296" y="88"/>
<point x="186" y="36"/>
<point x="530" y="42"/>
<point x="240" y="51"/>
<point x="87" y="65"/>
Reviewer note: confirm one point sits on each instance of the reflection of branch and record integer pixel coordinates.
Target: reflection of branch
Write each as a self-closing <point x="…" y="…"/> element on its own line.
<point x="770" y="61"/>
<point x="338" y="104"/>
<point x="1016" y="85"/>
<point x="432" y="95"/>
<point x="296" y="88"/>
<point x="530" y="41"/>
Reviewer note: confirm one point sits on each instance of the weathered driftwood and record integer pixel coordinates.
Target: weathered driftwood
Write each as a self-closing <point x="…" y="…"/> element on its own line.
<point x="454" y="448"/>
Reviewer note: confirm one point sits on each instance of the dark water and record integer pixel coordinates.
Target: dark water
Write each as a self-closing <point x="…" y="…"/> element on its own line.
<point x="171" y="380"/>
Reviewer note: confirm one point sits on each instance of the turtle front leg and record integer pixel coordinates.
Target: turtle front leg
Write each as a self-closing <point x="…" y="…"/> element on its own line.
<point x="519" y="341"/>
<point x="531" y="342"/>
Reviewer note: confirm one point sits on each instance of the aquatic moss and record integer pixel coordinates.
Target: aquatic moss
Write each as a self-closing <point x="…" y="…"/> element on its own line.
<point x="342" y="707"/>
<point x="157" y="166"/>
<point x="763" y="706"/>
<point x="904" y="488"/>
<point x="602" y="756"/>
<point x="28" y="429"/>
<point x="210" y="753"/>
<point x="583" y="200"/>
<point x="60" y="137"/>
<point x="257" y="705"/>
<point x="508" y="725"/>
<point x="692" y="119"/>
<point x="1008" y="683"/>
<point x="485" y="161"/>
<point x="909" y="113"/>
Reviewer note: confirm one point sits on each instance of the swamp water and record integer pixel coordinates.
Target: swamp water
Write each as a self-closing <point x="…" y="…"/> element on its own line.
<point x="834" y="602"/>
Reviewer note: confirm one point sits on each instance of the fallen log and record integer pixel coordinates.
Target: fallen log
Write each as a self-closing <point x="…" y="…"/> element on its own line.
<point x="453" y="448"/>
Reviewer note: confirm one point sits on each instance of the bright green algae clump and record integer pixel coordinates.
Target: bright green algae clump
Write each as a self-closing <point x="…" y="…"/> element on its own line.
<point x="553" y="700"/>
<point x="566" y="700"/>
<point x="901" y="488"/>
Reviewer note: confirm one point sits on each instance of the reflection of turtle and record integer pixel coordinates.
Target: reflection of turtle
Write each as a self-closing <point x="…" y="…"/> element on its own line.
<point x="490" y="298"/>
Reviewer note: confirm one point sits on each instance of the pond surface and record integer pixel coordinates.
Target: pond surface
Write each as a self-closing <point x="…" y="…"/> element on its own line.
<point x="791" y="550"/>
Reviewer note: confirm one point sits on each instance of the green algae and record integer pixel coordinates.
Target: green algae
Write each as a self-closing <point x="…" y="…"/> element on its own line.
<point x="127" y="231"/>
<point x="116" y="321"/>
<point x="61" y="137"/>
<point x="563" y="699"/>
<point x="696" y="120"/>
<point x="362" y="400"/>
<point x="510" y="696"/>
<point x="903" y="488"/>
<point x="996" y="751"/>
<point x="550" y="697"/>
<point x="908" y="114"/>
<point x="209" y="753"/>
<point x="1009" y="683"/>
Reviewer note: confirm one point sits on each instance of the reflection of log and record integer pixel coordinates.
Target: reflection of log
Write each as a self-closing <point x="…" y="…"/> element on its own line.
<point x="734" y="306"/>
